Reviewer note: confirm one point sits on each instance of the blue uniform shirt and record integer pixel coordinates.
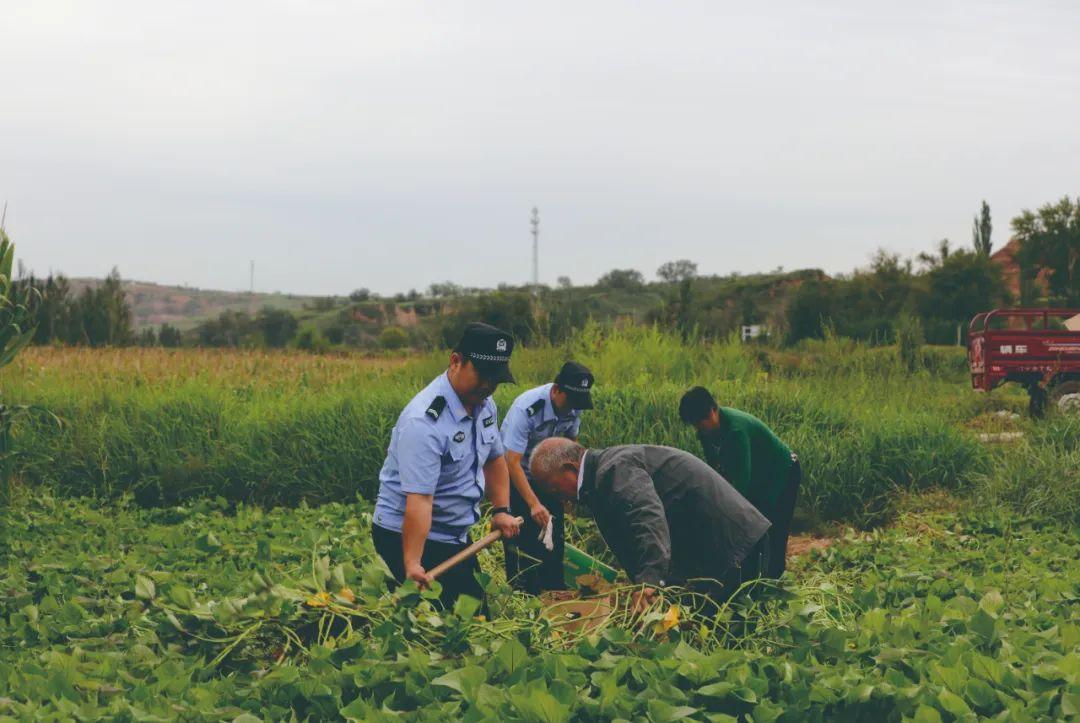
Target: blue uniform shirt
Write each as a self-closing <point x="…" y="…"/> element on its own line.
<point x="438" y="449"/>
<point x="532" y="419"/>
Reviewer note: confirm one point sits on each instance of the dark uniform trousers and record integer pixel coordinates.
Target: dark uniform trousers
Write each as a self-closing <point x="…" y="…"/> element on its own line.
<point x="545" y="572"/>
<point x="458" y="580"/>
<point x="780" y="517"/>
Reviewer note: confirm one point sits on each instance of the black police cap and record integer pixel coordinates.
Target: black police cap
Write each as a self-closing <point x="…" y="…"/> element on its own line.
<point x="489" y="349"/>
<point x="577" y="381"/>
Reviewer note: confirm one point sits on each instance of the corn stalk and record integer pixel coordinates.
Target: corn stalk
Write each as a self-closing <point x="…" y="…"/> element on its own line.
<point x="17" y="327"/>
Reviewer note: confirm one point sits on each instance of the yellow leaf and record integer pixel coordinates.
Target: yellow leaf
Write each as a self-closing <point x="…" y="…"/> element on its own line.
<point x="347" y="594"/>
<point x="319" y="600"/>
<point x="670" y="620"/>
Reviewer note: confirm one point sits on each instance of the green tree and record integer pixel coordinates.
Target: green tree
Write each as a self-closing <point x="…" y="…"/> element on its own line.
<point x="277" y="326"/>
<point x="862" y="306"/>
<point x="565" y="312"/>
<point x="335" y="332"/>
<point x="811" y="306"/>
<point x="53" y="310"/>
<point x="679" y="310"/>
<point x="749" y="311"/>
<point x="867" y="305"/>
<point x="1050" y="243"/>
<point x="627" y="279"/>
<point x="230" y="329"/>
<point x="445" y="290"/>
<point x="942" y="255"/>
<point x="311" y="340"/>
<point x="965" y="284"/>
<point x="511" y="311"/>
<point x="113" y="298"/>
<point x="101" y="315"/>
<point x="147" y="337"/>
<point x="675" y="272"/>
<point x="980" y="231"/>
<point x="169" y="336"/>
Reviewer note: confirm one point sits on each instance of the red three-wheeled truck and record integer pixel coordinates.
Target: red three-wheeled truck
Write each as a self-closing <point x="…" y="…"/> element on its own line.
<point x="1037" y="348"/>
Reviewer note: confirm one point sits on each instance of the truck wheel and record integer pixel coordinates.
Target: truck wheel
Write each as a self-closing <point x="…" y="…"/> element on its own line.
<point x="1065" y="397"/>
<point x="1036" y="402"/>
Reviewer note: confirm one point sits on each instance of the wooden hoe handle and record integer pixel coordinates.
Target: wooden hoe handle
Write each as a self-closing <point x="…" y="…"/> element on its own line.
<point x="468" y="552"/>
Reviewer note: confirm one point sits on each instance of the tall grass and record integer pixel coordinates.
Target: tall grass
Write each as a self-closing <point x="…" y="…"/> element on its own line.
<point x="1041" y="476"/>
<point x="281" y="428"/>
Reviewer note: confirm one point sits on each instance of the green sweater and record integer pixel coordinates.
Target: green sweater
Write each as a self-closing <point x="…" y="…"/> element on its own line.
<point x="750" y="456"/>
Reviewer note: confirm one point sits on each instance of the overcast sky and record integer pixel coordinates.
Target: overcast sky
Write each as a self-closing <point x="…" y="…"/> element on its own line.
<point x="392" y="144"/>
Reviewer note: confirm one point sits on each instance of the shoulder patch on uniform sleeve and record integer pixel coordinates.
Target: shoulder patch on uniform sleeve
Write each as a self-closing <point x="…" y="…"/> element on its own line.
<point x="535" y="407"/>
<point x="438" y="404"/>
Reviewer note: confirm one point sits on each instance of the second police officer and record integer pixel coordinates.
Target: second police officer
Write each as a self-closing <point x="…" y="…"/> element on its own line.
<point x="550" y="410"/>
<point x="445" y="453"/>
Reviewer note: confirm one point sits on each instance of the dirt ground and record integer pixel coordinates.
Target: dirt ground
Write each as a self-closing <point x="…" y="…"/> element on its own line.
<point x="799" y="545"/>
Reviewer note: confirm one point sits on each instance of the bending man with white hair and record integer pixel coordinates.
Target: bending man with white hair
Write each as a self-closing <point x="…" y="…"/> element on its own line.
<point x="668" y="517"/>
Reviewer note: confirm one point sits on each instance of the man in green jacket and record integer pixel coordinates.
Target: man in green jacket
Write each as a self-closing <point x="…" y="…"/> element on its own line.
<point x="753" y="459"/>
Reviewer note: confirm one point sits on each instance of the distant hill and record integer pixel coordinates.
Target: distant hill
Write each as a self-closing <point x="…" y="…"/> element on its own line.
<point x="717" y="306"/>
<point x="185" y="307"/>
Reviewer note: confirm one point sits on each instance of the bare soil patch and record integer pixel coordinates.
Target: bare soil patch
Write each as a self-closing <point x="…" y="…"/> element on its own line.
<point x="799" y="545"/>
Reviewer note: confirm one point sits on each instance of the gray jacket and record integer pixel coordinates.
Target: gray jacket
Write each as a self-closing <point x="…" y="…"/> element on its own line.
<point x="667" y="515"/>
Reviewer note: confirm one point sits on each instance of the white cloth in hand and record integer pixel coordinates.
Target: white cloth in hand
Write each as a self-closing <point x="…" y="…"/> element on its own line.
<point x="545" y="536"/>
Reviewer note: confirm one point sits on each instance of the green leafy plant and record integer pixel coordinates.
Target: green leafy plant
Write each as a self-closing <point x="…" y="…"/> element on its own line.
<point x="16" y="306"/>
<point x="17" y="327"/>
<point x="231" y="612"/>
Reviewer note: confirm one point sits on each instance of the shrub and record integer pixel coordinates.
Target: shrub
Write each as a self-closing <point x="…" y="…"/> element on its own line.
<point x="393" y="337"/>
<point x="909" y="342"/>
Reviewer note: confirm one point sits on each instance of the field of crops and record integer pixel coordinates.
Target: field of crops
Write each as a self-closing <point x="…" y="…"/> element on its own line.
<point x="167" y="426"/>
<point x="212" y="612"/>
<point x="191" y="542"/>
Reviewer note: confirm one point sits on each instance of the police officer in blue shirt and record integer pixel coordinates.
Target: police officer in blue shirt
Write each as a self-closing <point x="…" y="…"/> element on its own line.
<point x="445" y="452"/>
<point x="551" y="410"/>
